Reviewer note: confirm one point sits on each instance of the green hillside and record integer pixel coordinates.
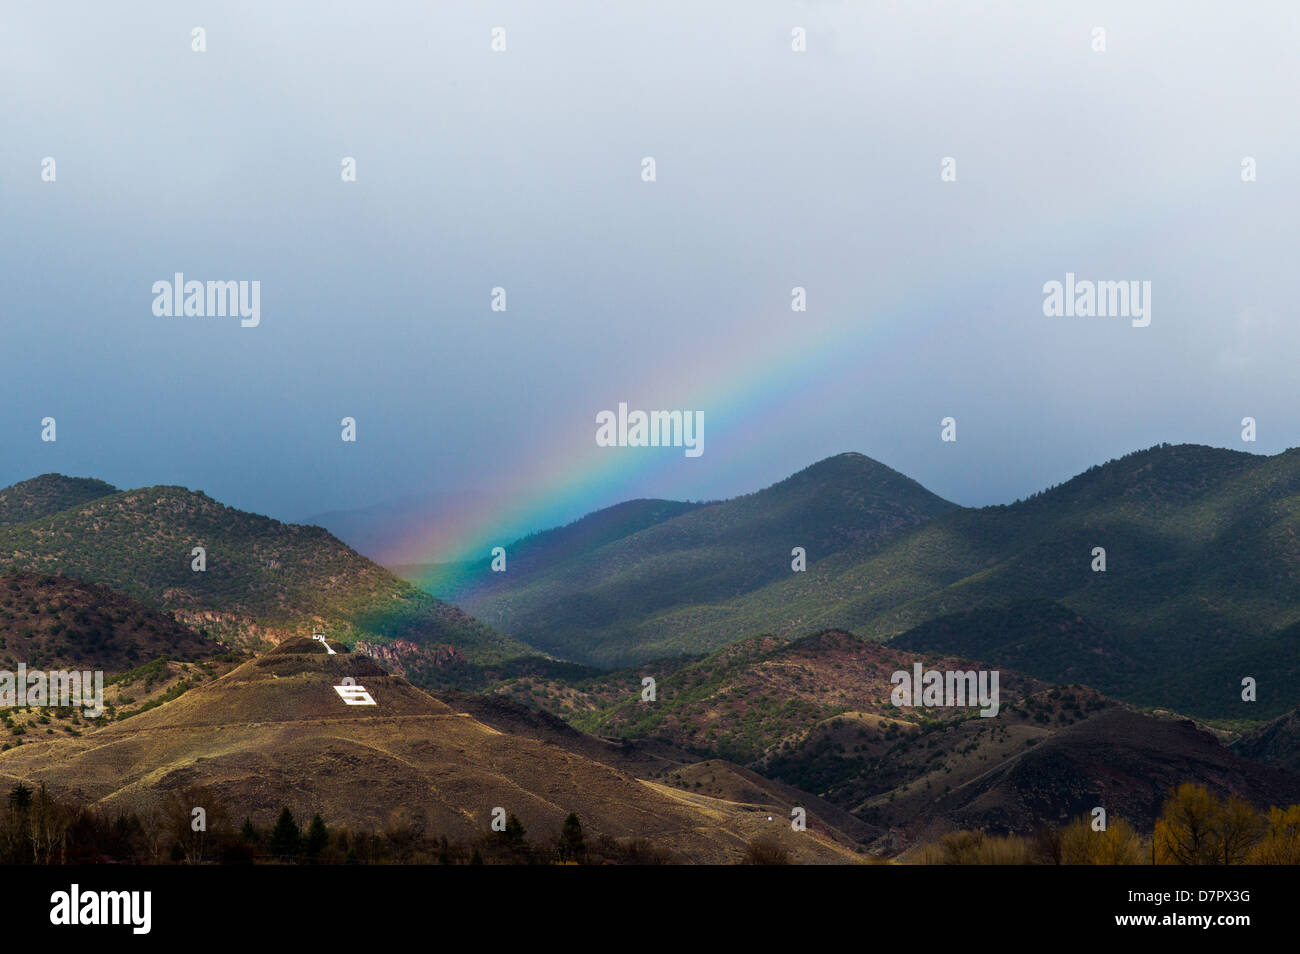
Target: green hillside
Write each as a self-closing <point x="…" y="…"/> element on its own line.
<point x="1199" y="591"/>
<point x="1047" y="640"/>
<point x="48" y="494"/>
<point x="1202" y="564"/>
<point x="536" y="553"/>
<point x="601" y="604"/>
<point x="265" y="580"/>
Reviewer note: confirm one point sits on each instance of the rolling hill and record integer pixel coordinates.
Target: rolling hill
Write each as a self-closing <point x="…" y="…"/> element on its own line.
<point x="1276" y="743"/>
<point x="815" y="714"/>
<point x="264" y="580"/>
<point x="598" y="597"/>
<point x="46" y="495"/>
<point x="54" y="622"/>
<point x="1157" y="512"/>
<point x="533" y="555"/>
<point x="275" y="731"/>
<point x="1119" y="759"/>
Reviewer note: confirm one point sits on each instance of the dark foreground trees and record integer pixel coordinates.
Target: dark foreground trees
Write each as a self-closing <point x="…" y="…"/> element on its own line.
<point x="195" y="825"/>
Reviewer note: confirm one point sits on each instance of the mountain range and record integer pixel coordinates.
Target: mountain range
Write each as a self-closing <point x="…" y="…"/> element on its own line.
<point x="772" y="683"/>
<point x="1198" y="592"/>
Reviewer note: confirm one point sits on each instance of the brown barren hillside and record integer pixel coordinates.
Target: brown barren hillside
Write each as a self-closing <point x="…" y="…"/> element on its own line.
<point x="56" y="622"/>
<point x="815" y="715"/>
<point x="1121" y="760"/>
<point x="275" y="732"/>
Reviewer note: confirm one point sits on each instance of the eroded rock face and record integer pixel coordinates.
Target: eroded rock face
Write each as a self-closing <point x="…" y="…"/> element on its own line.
<point x="395" y="655"/>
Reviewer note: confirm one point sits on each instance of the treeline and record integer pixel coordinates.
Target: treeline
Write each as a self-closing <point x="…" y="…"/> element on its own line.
<point x="1195" y="827"/>
<point x="195" y="826"/>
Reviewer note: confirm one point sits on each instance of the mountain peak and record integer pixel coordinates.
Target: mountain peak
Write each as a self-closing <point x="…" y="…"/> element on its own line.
<point x="1163" y="472"/>
<point x="707" y="555"/>
<point x="46" y="495"/>
<point x="855" y="472"/>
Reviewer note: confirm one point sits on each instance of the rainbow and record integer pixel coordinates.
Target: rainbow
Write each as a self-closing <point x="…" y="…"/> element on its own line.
<point x="771" y="376"/>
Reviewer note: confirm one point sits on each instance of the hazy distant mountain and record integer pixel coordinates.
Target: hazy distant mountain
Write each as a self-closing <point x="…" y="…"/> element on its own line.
<point x="383" y="531"/>
<point x="598" y="597"/>
<point x="371" y="530"/>
<point x="264" y="580"/>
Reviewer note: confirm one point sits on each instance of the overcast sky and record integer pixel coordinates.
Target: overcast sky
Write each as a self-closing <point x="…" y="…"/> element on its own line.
<point x="523" y="169"/>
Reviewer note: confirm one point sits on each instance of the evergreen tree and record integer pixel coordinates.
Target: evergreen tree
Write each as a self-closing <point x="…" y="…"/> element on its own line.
<point x="286" y="838"/>
<point x="513" y="840"/>
<point x="572" y="846"/>
<point x="318" y="837"/>
<point x="20" y="796"/>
